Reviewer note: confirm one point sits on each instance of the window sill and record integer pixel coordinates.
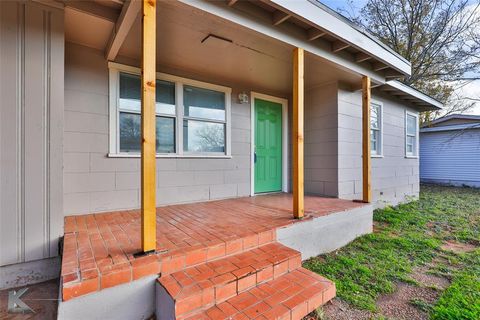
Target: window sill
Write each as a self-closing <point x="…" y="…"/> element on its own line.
<point x="171" y="156"/>
<point x="376" y="156"/>
<point x="411" y="157"/>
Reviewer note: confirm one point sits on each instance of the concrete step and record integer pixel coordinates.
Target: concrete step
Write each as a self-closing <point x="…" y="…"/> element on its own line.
<point x="198" y="288"/>
<point x="289" y="297"/>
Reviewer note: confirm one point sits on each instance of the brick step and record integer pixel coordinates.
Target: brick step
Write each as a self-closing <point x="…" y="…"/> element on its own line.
<point x="182" y="258"/>
<point x="205" y="285"/>
<point x="290" y="297"/>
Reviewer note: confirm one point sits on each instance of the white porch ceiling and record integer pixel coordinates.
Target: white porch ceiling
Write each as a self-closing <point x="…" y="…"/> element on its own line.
<point x="251" y="60"/>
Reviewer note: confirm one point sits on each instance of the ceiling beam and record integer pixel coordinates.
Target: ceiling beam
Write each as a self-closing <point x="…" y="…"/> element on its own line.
<point x="388" y="89"/>
<point x="94" y="9"/>
<point x="314" y="33"/>
<point x="123" y="25"/>
<point x="231" y="2"/>
<point x="399" y="93"/>
<point x="392" y="74"/>
<point x="378" y="66"/>
<point x="362" y="56"/>
<point x="339" y="46"/>
<point x="279" y="16"/>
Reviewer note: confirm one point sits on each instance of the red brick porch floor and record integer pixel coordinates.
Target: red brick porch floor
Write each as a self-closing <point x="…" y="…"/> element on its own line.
<point x="98" y="248"/>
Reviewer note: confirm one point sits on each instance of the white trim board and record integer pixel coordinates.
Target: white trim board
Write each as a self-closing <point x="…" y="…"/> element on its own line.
<point x="284" y="103"/>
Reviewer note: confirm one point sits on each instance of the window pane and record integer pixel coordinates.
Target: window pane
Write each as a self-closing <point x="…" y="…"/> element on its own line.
<point x="373" y="148"/>
<point x="411" y="125"/>
<point x="165" y="92"/>
<point x="130" y="135"/>
<point x="165" y="134"/>
<point x="375" y="117"/>
<point x="199" y="136"/>
<point x="165" y="97"/>
<point x="374" y="134"/>
<point x="130" y="94"/>
<point x="204" y="103"/>
<point x="410" y="144"/>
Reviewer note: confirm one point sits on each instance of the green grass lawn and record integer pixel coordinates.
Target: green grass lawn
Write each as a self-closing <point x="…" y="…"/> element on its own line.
<point x="408" y="236"/>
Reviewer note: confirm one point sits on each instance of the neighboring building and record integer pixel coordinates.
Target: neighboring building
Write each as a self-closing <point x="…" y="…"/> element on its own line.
<point x="70" y="138"/>
<point x="450" y="151"/>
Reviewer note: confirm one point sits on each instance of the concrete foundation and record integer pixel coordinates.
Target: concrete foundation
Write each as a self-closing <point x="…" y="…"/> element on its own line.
<point x="328" y="233"/>
<point x="130" y="301"/>
<point x="21" y="274"/>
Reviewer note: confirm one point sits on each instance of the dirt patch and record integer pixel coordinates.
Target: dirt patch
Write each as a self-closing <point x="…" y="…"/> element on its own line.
<point x="425" y="279"/>
<point x="41" y="297"/>
<point x="337" y="309"/>
<point x="398" y="306"/>
<point x="458" y="247"/>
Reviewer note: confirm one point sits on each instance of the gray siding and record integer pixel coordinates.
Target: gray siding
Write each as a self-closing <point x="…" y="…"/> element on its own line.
<point x="395" y="178"/>
<point x="321" y="146"/>
<point x="451" y="157"/>
<point x="93" y="182"/>
<point x="31" y="130"/>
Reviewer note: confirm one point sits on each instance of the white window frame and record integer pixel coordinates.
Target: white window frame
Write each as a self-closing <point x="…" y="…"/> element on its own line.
<point x="379" y="153"/>
<point x="114" y="138"/>
<point x="415" y="153"/>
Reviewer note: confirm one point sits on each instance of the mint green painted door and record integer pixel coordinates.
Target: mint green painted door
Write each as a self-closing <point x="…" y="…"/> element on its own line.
<point x="268" y="146"/>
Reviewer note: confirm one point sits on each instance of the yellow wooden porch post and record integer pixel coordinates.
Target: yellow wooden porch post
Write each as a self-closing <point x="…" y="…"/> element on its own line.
<point x="298" y="109"/>
<point x="366" y="153"/>
<point x="148" y="199"/>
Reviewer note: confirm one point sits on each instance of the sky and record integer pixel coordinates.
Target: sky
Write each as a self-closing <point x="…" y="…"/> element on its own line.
<point x="471" y="89"/>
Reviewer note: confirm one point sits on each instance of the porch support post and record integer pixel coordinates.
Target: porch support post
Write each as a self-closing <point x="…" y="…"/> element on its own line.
<point x="148" y="199"/>
<point x="366" y="153"/>
<point x="298" y="109"/>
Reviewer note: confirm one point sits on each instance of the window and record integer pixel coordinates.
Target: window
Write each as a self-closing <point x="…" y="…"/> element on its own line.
<point x="129" y="114"/>
<point x="192" y="117"/>
<point x="376" y="127"/>
<point x="204" y="120"/>
<point x="411" y="134"/>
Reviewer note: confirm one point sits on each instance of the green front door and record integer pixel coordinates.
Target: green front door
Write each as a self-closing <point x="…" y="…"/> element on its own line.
<point x="268" y="146"/>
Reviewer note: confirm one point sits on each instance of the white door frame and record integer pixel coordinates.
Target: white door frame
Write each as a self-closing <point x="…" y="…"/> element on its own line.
<point x="284" y="103"/>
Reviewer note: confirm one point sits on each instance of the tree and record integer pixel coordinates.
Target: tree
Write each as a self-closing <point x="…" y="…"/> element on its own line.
<point x="441" y="39"/>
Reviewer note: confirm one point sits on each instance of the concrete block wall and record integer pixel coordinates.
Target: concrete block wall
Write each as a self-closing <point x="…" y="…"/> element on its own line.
<point x="349" y="143"/>
<point x="321" y="140"/>
<point x="395" y="178"/>
<point x="94" y="183"/>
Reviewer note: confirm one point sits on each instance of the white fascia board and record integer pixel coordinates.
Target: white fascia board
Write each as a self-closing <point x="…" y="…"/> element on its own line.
<point x="343" y="30"/>
<point x="222" y="10"/>
<point x="452" y="128"/>
<point x="414" y="93"/>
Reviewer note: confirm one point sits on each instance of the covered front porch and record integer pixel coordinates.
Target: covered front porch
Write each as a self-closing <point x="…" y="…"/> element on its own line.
<point x="99" y="249"/>
<point x="227" y="254"/>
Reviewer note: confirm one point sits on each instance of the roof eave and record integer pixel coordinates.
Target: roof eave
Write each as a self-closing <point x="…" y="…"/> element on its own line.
<point x="325" y="19"/>
<point x="417" y="99"/>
